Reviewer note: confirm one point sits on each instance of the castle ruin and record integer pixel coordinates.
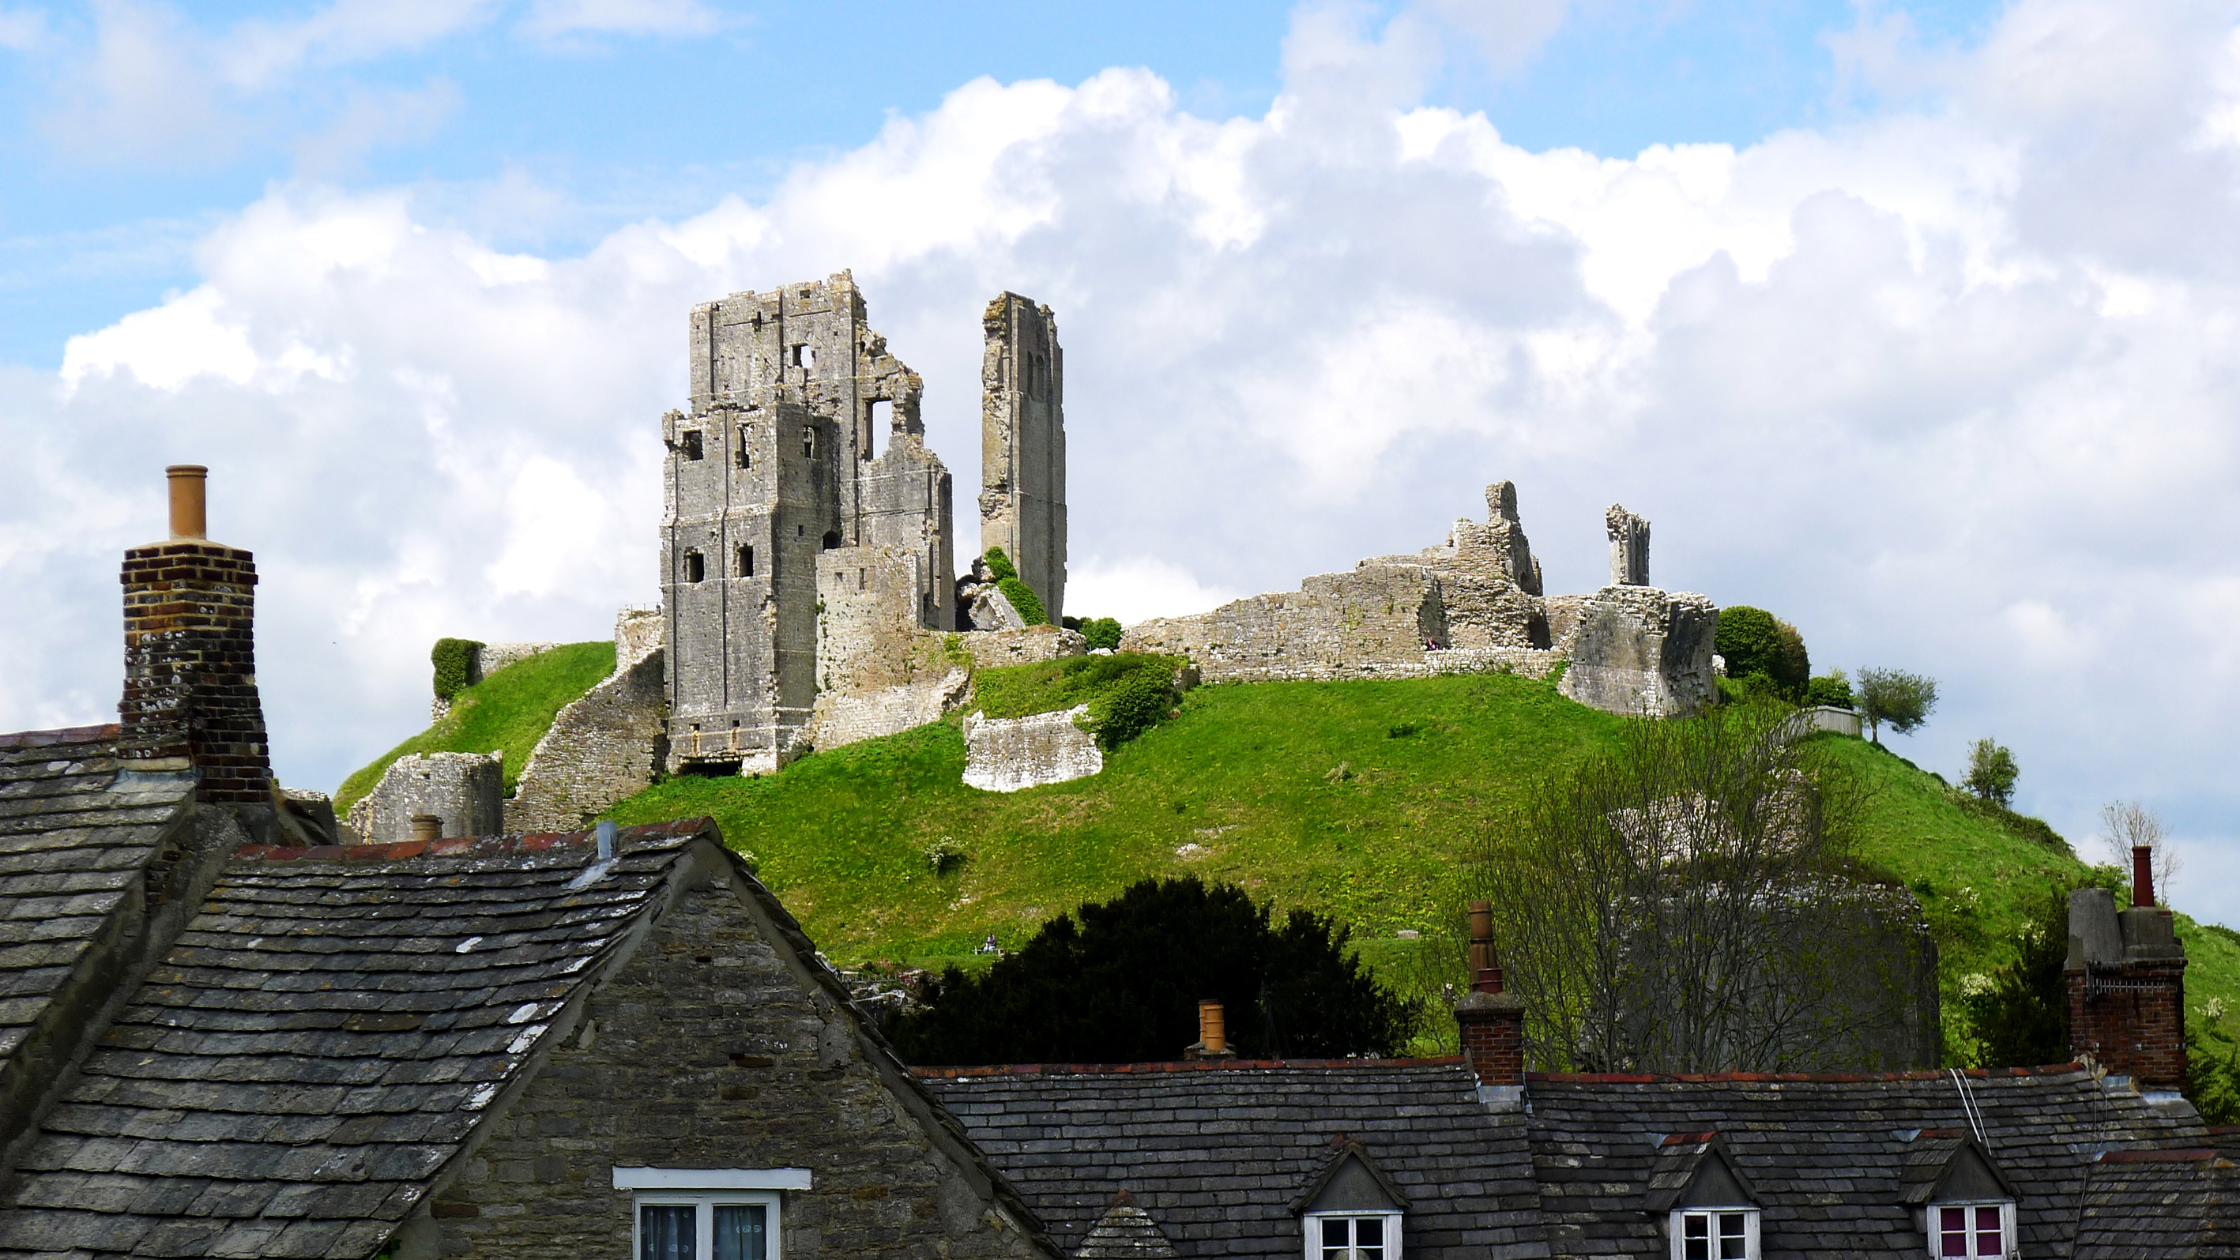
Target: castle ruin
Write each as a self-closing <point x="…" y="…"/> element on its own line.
<point x="807" y="545"/>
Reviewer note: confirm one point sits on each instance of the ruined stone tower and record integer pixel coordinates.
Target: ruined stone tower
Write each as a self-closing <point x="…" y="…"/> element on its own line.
<point x="803" y="441"/>
<point x="1023" y="445"/>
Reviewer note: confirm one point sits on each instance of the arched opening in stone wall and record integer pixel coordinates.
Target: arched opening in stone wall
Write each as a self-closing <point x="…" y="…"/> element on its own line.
<point x="831" y="539"/>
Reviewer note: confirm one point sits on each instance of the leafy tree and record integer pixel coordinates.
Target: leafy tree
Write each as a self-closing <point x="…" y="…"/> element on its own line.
<point x="2131" y="823"/>
<point x="1892" y="695"/>
<point x="1123" y="985"/>
<point x="1755" y="642"/>
<point x="2021" y="1018"/>
<point x="1991" y="772"/>
<point x="1832" y="689"/>
<point x="1102" y="632"/>
<point x="1682" y="904"/>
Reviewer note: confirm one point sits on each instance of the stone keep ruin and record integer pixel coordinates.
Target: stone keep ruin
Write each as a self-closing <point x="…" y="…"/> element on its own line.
<point x="807" y="555"/>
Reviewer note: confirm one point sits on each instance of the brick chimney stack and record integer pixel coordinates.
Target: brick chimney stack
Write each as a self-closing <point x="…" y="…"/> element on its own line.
<point x="2126" y="980"/>
<point x="190" y="673"/>
<point x="1492" y="1022"/>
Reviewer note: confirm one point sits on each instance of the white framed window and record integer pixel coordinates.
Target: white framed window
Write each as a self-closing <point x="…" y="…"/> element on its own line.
<point x="1353" y="1236"/>
<point x="1723" y="1233"/>
<point x="1971" y="1231"/>
<point x="707" y="1213"/>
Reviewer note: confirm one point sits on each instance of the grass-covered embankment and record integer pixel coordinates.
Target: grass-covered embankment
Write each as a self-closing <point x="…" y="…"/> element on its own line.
<point x="510" y="710"/>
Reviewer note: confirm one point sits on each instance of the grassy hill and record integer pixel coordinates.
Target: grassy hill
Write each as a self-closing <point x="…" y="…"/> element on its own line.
<point x="510" y="710"/>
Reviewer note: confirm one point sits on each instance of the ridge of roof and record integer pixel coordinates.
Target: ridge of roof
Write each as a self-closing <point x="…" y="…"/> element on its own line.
<point x="466" y="846"/>
<point x="1790" y="1078"/>
<point x="1177" y="1065"/>
<point x="60" y="735"/>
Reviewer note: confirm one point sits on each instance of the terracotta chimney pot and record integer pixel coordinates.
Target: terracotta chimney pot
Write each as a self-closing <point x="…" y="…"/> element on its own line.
<point x="2142" y="876"/>
<point x="427" y="828"/>
<point x="189" y="513"/>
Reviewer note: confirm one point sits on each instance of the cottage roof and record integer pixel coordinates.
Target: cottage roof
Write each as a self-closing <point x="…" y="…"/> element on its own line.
<point x="321" y="1039"/>
<point x="1214" y="1151"/>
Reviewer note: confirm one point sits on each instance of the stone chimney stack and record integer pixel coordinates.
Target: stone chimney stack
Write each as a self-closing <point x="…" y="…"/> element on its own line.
<point x="2126" y="980"/>
<point x="1492" y="1022"/>
<point x="190" y="673"/>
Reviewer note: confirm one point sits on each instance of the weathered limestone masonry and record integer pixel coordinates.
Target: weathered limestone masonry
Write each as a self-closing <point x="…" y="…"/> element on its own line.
<point x="190" y="664"/>
<point x="711" y="1048"/>
<point x="1011" y="754"/>
<point x="606" y="745"/>
<point x="465" y="790"/>
<point x="776" y="464"/>
<point x="1643" y="652"/>
<point x="1023" y="445"/>
<point x="1629" y="547"/>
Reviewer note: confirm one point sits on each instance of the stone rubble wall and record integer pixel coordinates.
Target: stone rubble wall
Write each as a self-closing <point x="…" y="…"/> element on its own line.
<point x="637" y="635"/>
<point x="1028" y="645"/>
<point x="852" y="717"/>
<point x="1011" y="754"/>
<point x="1373" y="622"/>
<point x="466" y="790"/>
<point x="1643" y="652"/>
<point x="604" y="746"/>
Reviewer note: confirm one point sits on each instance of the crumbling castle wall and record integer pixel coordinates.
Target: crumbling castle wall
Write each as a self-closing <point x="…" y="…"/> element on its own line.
<point x="605" y="745"/>
<point x="1013" y="754"/>
<point x="1023" y="445"/>
<point x="465" y="790"/>
<point x="1643" y="652"/>
<point x="1629" y="546"/>
<point x="1374" y="622"/>
<point x="776" y="463"/>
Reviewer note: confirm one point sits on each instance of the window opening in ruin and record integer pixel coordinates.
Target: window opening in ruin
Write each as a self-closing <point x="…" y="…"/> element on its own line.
<point x="861" y="581"/>
<point x="741" y="454"/>
<point x="800" y="530"/>
<point x="746" y="562"/>
<point x="831" y="539"/>
<point x="1038" y="376"/>
<point x="695" y="567"/>
<point x="805" y="355"/>
<point x="809" y="443"/>
<point x="690" y="438"/>
<point x="881" y="424"/>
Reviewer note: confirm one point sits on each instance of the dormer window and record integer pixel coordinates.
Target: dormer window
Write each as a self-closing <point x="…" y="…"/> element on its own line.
<point x="1971" y="1231"/>
<point x="1715" y="1234"/>
<point x="1711" y="1212"/>
<point x="1349" y="1210"/>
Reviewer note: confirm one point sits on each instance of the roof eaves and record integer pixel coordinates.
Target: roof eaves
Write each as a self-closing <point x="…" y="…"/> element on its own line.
<point x="1341" y="1150"/>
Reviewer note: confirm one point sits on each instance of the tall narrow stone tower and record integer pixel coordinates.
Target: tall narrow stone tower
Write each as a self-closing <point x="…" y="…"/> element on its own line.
<point x="1023" y="445"/>
<point x="779" y="461"/>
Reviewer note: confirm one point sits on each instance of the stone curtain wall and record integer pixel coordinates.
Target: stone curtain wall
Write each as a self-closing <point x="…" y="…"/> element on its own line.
<point x="844" y="719"/>
<point x="1373" y="622"/>
<point x="190" y="667"/>
<point x="712" y="1049"/>
<point x="1643" y="652"/>
<point x="466" y="790"/>
<point x="1011" y="754"/>
<point x="604" y="746"/>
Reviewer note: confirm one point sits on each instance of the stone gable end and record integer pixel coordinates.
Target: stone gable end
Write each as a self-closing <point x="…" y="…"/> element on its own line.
<point x="714" y="1047"/>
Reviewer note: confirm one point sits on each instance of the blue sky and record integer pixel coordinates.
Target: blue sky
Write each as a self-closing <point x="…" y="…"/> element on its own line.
<point x="1910" y="323"/>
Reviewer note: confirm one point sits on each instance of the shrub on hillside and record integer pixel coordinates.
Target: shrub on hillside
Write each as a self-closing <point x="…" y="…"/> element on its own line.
<point x="1991" y="772"/>
<point x="1102" y="632"/>
<point x="1832" y="689"/>
<point x="454" y="662"/>
<point x="1755" y="642"/>
<point x="1123" y="983"/>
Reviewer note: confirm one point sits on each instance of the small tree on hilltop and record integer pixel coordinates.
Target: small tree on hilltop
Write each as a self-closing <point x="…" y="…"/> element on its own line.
<point x="1892" y="695"/>
<point x="1991" y="772"/>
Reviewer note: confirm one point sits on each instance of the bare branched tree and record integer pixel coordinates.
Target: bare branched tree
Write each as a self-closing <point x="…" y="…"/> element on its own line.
<point x="1684" y="905"/>
<point x="2129" y="823"/>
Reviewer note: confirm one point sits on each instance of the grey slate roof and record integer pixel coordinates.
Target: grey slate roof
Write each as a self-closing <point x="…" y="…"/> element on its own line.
<point x="74" y="840"/>
<point x="1215" y="1151"/>
<point x="1829" y="1157"/>
<point x="2160" y="1205"/>
<point x="1125" y="1232"/>
<point x="320" y="1040"/>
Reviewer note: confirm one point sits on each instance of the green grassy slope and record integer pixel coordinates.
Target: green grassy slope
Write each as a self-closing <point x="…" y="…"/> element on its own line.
<point x="511" y="709"/>
<point x="1245" y="785"/>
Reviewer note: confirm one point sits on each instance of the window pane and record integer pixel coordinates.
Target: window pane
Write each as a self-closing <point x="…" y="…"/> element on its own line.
<point x="665" y="1233"/>
<point x="1952" y="1231"/>
<point x="739" y="1232"/>
<point x="1987" y="1233"/>
<point x="1334" y="1237"/>
<point x="1368" y="1236"/>
<point x="1734" y="1241"/>
<point x="1695" y="1234"/>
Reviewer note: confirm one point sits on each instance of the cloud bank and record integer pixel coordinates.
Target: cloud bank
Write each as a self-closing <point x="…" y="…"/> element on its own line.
<point x="1949" y="387"/>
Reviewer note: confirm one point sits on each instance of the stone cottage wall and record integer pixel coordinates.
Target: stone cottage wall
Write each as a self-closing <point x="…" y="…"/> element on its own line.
<point x="712" y="1049"/>
<point x="466" y="790"/>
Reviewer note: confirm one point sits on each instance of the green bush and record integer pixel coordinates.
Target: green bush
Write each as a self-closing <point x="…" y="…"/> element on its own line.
<point x="1832" y="689"/>
<point x="1024" y="601"/>
<point x="1122" y="986"/>
<point x="2021" y="1016"/>
<point x="1102" y="632"/>
<point x="1134" y="705"/>
<point x="454" y="661"/>
<point x="1127" y="692"/>
<point x="1754" y="641"/>
<point x="999" y="564"/>
<point x="1991" y="772"/>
